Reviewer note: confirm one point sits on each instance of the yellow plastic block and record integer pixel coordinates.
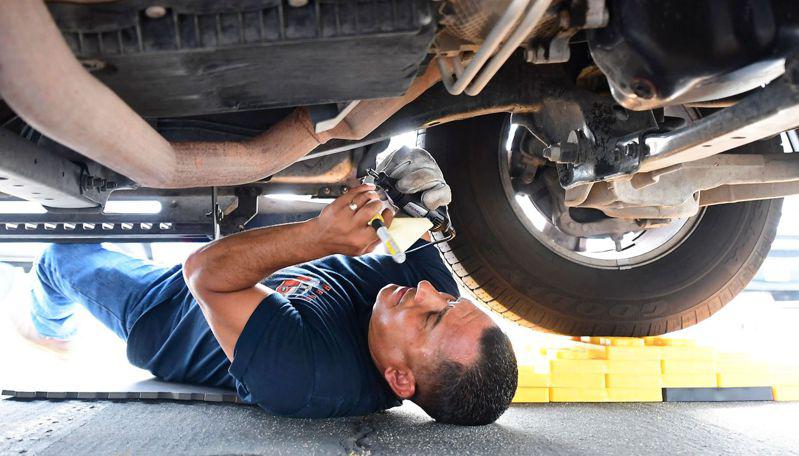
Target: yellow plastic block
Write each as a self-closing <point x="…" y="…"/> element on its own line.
<point x="786" y="377"/>
<point x="733" y="357"/>
<point x="633" y="353"/>
<point x="633" y="381"/>
<point x="638" y="367"/>
<point x="524" y="347"/>
<point x="614" y="341"/>
<point x="677" y="352"/>
<point x="578" y="395"/>
<point x="635" y="394"/>
<point x="529" y="377"/>
<point x="573" y="380"/>
<point x="668" y="342"/>
<point x="741" y="365"/>
<point x="626" y="341"/>
<point x="587" y="352"/>
<point x="688" y="366"/>
<point x="596" y="340"/>
<point x="730" y="380"/>
<point x="786" y="393"/>
<point x="689" y="380"/>
<point x="785" y="365"/>
<point x="527" y="395"/>
<point x="584" y="366"/>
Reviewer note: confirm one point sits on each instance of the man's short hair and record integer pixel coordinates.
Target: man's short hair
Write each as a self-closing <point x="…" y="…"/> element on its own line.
<point x="472" y="395"/>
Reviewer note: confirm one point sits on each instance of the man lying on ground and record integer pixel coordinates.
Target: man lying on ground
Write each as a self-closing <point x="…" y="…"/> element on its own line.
<point x="298" y="318"/>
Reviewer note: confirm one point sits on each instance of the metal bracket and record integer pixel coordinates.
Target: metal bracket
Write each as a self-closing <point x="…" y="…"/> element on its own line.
<point x="767" y="112"/>
<point x="246" y="209"/>
<point x="338" y="114"/>
<point x="97" y="183"/>
<point x="30" y="172"/>
<point x="594" y="14"/>
<point x="679" y="191"/>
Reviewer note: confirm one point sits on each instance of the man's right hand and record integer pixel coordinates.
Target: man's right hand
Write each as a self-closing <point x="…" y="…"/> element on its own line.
<point x="343" y="225"/>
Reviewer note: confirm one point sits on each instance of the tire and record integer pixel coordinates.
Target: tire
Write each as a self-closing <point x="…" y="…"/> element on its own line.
<point x="518" y="277"/>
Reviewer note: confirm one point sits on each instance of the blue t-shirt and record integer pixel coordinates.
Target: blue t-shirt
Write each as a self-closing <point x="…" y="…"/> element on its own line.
<point x="304" y="350"/>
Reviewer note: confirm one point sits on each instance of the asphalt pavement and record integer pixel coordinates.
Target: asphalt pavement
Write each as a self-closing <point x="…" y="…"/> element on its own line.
<point x="156" y="428"/>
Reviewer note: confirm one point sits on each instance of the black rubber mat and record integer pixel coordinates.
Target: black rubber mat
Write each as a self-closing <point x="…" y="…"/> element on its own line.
<point x="754" y="393"/>
<point x="143" y="390"/>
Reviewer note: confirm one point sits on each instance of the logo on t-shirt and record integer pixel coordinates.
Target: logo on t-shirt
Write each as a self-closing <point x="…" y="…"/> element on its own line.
<point x="302" y="287"/>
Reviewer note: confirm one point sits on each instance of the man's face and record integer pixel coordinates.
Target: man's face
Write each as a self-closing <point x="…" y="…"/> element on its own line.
<point x="414" y="328"/>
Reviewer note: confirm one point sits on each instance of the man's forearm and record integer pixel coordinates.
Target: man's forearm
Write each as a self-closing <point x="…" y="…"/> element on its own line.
<point x="244" y="259"/>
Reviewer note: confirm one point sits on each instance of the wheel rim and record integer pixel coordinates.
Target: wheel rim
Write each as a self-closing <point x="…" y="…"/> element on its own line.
<point x="638" y="248"/>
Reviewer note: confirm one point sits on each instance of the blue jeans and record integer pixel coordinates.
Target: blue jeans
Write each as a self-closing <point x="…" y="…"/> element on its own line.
<point x="115" y="288"/>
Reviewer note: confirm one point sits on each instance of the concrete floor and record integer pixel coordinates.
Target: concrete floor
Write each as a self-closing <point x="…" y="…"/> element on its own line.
<point x="99" y="428"/>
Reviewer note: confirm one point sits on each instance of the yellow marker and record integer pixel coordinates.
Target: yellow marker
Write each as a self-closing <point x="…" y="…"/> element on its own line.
<point x="389" y="243"/>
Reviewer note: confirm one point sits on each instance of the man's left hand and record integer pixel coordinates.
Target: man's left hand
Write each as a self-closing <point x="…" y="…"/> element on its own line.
<point x="417" y="171"/>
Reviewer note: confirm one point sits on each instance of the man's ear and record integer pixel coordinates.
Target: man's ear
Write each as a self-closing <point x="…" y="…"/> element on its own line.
<point x="401" y="381"/>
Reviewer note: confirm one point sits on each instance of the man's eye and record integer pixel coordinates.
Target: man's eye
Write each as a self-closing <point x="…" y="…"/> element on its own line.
<point x="427" y="317"/>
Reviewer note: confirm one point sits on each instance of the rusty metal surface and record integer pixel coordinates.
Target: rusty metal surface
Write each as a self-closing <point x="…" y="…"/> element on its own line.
<point x="679" y="191"/>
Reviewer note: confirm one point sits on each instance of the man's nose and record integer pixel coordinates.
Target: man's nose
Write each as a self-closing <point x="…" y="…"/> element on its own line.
<point x="425" y="293"/>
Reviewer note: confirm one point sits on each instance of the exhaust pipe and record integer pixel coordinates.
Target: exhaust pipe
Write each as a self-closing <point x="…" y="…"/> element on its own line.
<point x="43" y="82"/>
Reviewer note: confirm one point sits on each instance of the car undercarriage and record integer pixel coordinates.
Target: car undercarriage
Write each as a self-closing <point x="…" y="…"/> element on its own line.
<point x="594" y="147"/>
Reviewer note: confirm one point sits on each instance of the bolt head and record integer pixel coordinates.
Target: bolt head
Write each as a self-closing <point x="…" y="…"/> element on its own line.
<point x="552" y="152"/>
<point x="620" y="113"/>
<point x="643" y="88"/>
<point x="564" y="19"/>
<point x="563" y="152"/>
<point x="155" y="12"/>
